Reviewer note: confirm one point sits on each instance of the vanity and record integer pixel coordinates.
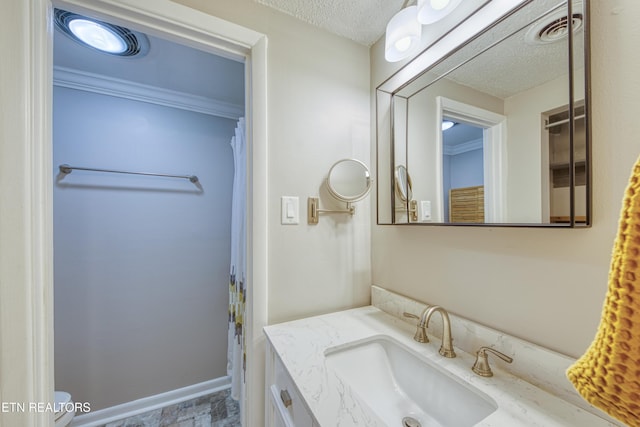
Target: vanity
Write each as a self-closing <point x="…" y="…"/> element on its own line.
<point x="362" y="367"/>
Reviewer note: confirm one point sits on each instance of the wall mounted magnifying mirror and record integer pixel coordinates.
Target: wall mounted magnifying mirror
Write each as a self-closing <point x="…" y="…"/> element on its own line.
<point x="348" y="181"/>
<point x="404" y="193"/>
<point x="517" y="148"/>
<point x="403" y="183"/>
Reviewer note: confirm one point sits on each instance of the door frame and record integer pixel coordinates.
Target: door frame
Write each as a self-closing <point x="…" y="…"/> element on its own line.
<point x="26" y="289"/>
<point x="494" y="137"/>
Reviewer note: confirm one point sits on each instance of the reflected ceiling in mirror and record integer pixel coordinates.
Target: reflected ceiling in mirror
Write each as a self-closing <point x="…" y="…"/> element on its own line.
<point x="518" y="154"/>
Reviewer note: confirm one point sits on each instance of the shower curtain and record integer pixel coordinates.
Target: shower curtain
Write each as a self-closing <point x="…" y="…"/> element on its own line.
<point x="236" y="355"/>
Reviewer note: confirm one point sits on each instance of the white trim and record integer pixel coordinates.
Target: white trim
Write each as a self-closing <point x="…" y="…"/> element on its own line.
<point x="179" y="23"/>
<point x="150" y="403"/>
<point x="494" y="153"/>
<point x="459" y="111"/>
<point x="97" y="83"/>
<point x="495" y="173"/>
<point x="438" y="212"/>
<point x="454" y="150"/>
<point x="26" y="365"/>
<point x="26" y="259"/>
<point x="257" y="227"/>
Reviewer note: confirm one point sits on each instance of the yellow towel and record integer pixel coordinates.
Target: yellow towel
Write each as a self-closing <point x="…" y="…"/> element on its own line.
<point x="608" y="374"/>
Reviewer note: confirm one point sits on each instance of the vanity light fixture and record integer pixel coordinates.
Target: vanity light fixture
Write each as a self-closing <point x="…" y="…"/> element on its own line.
<point x="404" y="30"/>
<point x="403" y="35"/>
<point x="99" y="35"/>
<point x="430" y="11"/>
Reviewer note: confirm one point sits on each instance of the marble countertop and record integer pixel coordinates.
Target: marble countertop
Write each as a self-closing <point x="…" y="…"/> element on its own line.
<point x="301" y="346"/>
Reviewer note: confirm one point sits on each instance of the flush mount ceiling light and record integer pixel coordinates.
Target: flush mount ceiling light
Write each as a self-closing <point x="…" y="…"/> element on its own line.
<point x="430" y="11"/>
<point x="403" y="35"/>
<point x="102" y="36"/>
<point x="447" y="124"/>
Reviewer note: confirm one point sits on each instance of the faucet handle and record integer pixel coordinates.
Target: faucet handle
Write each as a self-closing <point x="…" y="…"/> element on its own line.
<point x="421" y="332"/>
<point x="481" y="366"/>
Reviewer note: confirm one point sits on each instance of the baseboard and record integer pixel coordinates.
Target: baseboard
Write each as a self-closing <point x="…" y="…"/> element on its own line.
<point x="146" y="404"/>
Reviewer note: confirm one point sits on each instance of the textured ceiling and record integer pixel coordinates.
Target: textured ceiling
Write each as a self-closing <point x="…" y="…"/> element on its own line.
<point x="515" y="64"/>
<point x="363" y="21"/>
<point x="503" y="62"/>
<point x="510" y="68"/>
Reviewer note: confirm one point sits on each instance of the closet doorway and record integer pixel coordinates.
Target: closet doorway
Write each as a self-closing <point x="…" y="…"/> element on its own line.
<point x="142" y="212"/>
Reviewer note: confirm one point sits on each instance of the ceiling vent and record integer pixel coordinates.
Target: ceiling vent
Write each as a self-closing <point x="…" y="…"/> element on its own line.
<point x="553" y="28"/>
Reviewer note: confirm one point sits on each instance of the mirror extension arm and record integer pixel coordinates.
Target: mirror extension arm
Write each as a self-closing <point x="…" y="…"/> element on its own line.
<point x="314" y="211"/>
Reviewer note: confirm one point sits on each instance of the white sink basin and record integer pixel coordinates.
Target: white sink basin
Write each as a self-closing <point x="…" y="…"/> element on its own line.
<point x="396" y="383"/>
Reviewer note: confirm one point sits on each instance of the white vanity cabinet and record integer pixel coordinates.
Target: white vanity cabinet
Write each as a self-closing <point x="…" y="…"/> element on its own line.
<point x="283" y="404"/>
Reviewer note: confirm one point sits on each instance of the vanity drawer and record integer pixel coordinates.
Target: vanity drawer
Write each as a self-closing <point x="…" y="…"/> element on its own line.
<point x="286" y="405"/>
<point x="279" y="416"/>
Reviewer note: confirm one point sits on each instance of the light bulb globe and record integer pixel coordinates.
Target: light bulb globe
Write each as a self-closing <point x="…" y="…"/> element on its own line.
<point x="403" y="35"/>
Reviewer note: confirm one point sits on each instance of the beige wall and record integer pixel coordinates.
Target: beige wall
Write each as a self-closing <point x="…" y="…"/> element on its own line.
<point x="525" y="189"/>
<point x="525" y="148"/>
<point x="543" y="285"/>
<point x="318" y="100"/>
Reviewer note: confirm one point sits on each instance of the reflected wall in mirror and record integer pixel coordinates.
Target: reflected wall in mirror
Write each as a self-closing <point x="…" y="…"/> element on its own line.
<point x="517" y="148"/>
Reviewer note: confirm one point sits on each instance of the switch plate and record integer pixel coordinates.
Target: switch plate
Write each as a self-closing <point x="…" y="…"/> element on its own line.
<point x="290" y="210"/>
<point x="425" y="210"/>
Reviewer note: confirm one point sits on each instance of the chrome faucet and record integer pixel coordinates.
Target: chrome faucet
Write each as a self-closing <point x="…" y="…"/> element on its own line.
<point x="446" y="349"/>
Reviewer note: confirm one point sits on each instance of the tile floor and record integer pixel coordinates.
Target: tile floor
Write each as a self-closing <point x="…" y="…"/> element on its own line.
<point x="214" y="410"/>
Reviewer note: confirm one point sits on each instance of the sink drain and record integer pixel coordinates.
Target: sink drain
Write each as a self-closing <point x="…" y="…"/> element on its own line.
<point x="410" y="422"/>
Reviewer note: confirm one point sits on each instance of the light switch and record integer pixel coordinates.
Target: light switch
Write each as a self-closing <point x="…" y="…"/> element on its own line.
<point x="290" y="210"/>
<point x="425" y="210"/>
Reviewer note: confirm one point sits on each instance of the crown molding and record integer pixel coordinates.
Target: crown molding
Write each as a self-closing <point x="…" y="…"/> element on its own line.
<point x="98" y="83"/>
<point x="454" y="150"/>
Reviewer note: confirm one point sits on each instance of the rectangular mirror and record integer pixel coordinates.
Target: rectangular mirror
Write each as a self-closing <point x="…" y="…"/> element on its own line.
<point x="517" y="149"/>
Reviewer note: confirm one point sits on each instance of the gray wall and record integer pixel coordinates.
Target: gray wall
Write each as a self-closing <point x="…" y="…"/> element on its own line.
<point x="141" y="263"/>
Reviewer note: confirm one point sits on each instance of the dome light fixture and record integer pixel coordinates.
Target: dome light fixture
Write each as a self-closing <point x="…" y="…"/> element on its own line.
<point x="404" y="30"/>
<point x="403" y="35"/>
<point x="430" y="11"/>
<point x="98" y="36"/>
<point x="101" y="36"/>
<point x="447" y="124"/>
